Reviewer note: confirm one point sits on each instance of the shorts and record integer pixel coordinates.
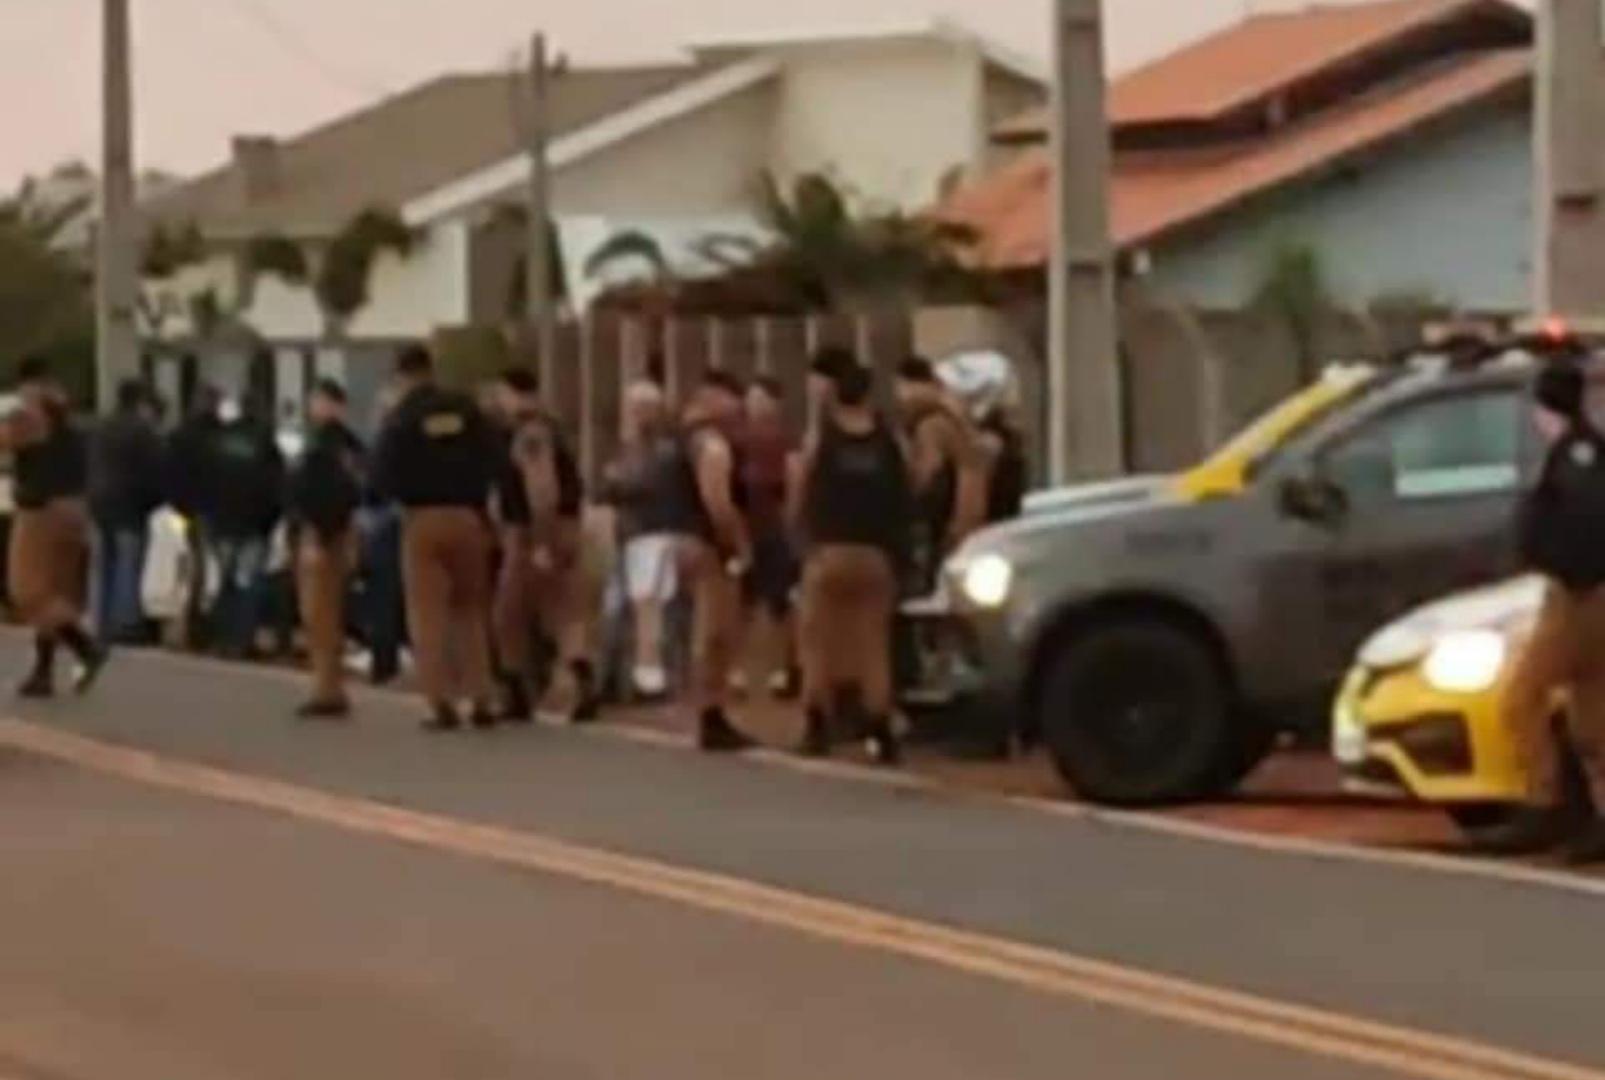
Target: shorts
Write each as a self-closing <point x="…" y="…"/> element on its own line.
<point x="774" y="574"/>
<point x="650" y="573"/>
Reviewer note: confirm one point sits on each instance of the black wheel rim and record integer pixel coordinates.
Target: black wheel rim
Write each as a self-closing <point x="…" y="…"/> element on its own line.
<point x="1135" y="710"/>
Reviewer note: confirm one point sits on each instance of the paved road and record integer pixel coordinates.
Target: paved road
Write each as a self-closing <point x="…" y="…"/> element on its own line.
<point x="560" y="904"/>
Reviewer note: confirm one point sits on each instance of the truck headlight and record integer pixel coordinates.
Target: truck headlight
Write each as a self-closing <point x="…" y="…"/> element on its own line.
<point x="987" y="580"/>
<point x="1466" y="662"/>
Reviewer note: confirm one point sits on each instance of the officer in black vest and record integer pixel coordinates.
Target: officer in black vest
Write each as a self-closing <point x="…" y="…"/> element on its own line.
<point x="48" y="555"/>
<point x="856" y="505"/>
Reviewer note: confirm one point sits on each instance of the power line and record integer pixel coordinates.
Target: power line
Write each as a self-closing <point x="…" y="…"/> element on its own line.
<point x="291" y="41"/>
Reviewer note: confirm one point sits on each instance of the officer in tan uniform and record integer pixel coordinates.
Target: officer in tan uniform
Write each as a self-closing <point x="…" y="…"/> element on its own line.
<point x="436" y="457"/>
<point x="325" y="492"/>
<point x="948" y="465"/>
<point x="48" y="557"/>
<point x="855" y="506"/>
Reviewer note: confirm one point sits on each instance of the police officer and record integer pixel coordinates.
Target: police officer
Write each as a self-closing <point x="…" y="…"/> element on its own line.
<point x="1563" y="537"/>
<point x="436" y="457"/>
<point x="325" y="492"/>
<point x="49" y="549"/>
<point x="702" y="494"/>
<point x="855" y="504"/>
<point x="948" y="466"/>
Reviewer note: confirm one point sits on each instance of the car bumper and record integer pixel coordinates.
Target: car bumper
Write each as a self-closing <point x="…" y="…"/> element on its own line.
<point x="1393" y="732"/>
<point x="969" y="659"/>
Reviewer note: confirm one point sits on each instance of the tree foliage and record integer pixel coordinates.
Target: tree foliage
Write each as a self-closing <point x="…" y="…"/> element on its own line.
<point x="46" y="302"/>
<point x="277" y="256"/>
<point x="169" y="250"/>
<point x="1294" y="290"/>
<point x="342" y="281"/>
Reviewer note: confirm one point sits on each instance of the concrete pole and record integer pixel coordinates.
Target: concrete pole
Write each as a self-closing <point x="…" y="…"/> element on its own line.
<point x="1569" y="264"/>
<point x="542" y="305"/>
<point x="117" y="271"/>
<point x="1084" y="414"/>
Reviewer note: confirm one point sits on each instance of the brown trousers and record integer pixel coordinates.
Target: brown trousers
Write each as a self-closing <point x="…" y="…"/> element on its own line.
<point x="1565" y="653"/>
<point x="845" y="626"/>
<point x="47" y="564"/>
<point x="446" y="554"/>
<point x="322" y="571"/>
<point x="551" y="593"/>
<point x="716" y="620"/>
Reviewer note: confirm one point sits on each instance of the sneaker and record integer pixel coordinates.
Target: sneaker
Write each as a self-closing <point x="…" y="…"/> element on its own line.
<point x="816" y="737"/>
<point x="587" y="697"/>
<point x="717" y="735"/>
<point x="89" y="669"/>
<point x="885" y="748"/>
<point x="651" y="683"/>
<point x="445" y="718"/>
<point x="324" y="710"/>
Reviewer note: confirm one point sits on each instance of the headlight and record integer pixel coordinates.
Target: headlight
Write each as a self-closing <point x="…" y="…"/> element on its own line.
<point x="1467" y="662"/>
<point x="1395" y="647"/>
<point x="987" y="580"/>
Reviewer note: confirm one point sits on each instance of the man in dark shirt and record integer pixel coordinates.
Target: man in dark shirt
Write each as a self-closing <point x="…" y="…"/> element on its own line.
<point x="50" y="534"/>
<point x="325" y="491"/>
<point x="436" y="457"/>
<point x="125" y="488"/>
<point x="245" y="474"/>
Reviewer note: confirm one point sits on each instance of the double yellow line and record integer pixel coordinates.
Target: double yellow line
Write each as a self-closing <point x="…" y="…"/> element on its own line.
<point x="1315" y="1032"/>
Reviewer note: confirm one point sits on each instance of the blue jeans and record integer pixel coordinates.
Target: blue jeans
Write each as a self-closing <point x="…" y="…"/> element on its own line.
<point x="237" y="615"/>
<point x="119" y="573"/>
<point x="383" y="614"/>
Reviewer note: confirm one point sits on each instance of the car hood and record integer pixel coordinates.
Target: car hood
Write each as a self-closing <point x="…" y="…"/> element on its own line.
<point x="1510" y="607"/>
<point x="1078" y="498"/>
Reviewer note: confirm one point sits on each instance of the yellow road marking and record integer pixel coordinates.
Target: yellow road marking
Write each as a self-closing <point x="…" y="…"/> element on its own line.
<point x="1049" y="971"/>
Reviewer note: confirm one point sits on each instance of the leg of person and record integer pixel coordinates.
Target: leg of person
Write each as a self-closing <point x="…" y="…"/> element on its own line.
<point x="26" y="566"/>
<point x="130" y="548"/>
<point x="468" y="549"/>
<point x="819" y="679"/>
<point x="510" y="620"/>
<point x="384" y="615"/>
<point x="875" y="597"/>
<point x="428" y="599"/>
<point x="1586" y="721"/>
<point x="715" y="619"/>
<point x="1545" y="666"/>
<point x="649" y="566"/>
<point x="572" y="604"/>
<point x="103" y="582"/>
<point x="67" y="561"/>
<point x="321" y="570"/>
<point x="252" y="583"/>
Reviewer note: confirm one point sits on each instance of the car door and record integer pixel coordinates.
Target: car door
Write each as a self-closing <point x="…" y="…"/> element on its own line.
<point x="1428" y="491"/>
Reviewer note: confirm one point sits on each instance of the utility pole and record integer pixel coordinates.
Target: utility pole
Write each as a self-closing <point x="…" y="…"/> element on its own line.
<point x="1569" y="174"/>
<point x="537" y="133"/>
<point x="1084" y="406"/>
<point x="117" y="272"/>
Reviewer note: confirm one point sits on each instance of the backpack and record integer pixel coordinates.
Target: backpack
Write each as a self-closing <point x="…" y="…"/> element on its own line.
<point x="1563" y="519"/>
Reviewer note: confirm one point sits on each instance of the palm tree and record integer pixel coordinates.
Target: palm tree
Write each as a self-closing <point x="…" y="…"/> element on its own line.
<point x="341" y="280"/>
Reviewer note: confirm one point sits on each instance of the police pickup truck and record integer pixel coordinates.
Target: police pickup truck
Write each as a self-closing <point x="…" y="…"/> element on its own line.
<point x="1159" y="634"/>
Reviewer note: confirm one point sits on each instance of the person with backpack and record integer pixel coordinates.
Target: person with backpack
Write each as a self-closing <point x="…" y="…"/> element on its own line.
<point x="1562" y="537"/>
<point x="855" y="503"/>
<point x="325" y="490"/>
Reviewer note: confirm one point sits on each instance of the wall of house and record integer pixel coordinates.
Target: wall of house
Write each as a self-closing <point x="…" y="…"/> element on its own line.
<point x="890" y="118"/>
<point x="1448" y="213"/>
<point x="702" y="164"/>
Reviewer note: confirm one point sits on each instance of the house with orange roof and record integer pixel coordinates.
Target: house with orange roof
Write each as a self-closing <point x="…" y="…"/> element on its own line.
<point x="1392" y="138"/>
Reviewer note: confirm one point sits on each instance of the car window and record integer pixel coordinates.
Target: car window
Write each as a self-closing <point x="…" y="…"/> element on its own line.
<point x="1453" y="446"/>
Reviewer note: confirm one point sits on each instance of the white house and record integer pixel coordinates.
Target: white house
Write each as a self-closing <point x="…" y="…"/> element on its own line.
<point x="674" y="151"/>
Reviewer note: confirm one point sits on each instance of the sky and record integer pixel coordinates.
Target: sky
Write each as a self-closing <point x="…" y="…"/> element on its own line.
<point x="208" y="69"/>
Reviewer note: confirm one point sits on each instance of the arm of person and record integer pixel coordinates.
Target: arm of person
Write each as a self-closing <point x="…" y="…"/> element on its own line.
<point x="799" y="474"/>
<point x="715" y="466"/>
<point x="927" y="452"/>
<point x="536" y="458"/>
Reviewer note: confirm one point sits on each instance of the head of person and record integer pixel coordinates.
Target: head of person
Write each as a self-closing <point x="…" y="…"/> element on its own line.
<point x="35" y="381"/>
<point x="855" y="388"/>
<point x="718" y="399"/>
<point x="765" y="401"/>
<point x="415" y="367"/>
<point x="204" y="402"/>
<point x="917" y="385"/>
<point x="645" y="410"/>
<point x="135" y="399"/>
<point x="515" y="392"/>
<point x="828" y="364"/>
<point x="1561" y="391"/>
<point x="327" y="402"/>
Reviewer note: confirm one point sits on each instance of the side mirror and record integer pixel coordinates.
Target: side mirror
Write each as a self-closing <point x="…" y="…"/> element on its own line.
<point x="1313" y="498"/>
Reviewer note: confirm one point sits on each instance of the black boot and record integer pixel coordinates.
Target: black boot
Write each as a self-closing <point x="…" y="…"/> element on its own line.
<point x="885" y="748"/>
<point x="587" y="695"/>
<point x="517" y="707"/>
<point x="482" y="717"/>
<point x="444" y="718"/>
<point x="329" y="709"/>
<point x="717" y="735"/>
<point x="1587" y="846"/>
<point x="91" y="657"/>
<point x="41" y="683"/>
<point x="816" y="736"/>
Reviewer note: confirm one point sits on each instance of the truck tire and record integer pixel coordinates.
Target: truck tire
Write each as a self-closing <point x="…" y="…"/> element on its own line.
<point x="1138" y="712"/>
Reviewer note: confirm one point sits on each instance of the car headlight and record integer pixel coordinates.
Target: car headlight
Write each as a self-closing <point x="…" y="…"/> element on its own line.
<point x="986" y="581"/>
<point x="1466" y="662"/>
<point x="1396" y="647"/>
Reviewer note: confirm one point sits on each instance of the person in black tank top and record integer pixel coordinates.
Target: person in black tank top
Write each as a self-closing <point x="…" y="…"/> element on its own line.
<point x="703" y="499"/>
<point x="855" y="506"/>
<point x="49" y="548"/>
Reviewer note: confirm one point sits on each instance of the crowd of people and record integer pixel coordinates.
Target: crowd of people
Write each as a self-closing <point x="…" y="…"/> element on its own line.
<point x="465" y="532"/>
